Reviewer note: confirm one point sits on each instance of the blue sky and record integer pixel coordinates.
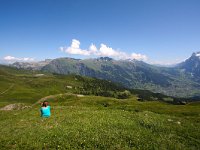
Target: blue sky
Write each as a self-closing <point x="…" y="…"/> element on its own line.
<point x="157" y="31"/>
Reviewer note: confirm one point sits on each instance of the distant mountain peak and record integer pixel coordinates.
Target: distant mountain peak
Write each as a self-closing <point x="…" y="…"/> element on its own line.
<point x="31" y="65"/>
<point x="195" y="57"/>
<point x="132" y="60"/>
<point x="197" y="54"/>
<point x="105" y="59"/>
<point x="192" y="65"/>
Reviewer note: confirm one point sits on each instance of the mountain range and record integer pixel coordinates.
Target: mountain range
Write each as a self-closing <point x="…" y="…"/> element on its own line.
<point x="181" y="80"/>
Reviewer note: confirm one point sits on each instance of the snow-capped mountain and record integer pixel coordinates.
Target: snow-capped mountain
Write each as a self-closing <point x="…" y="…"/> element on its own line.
<point x="192" y="65"/>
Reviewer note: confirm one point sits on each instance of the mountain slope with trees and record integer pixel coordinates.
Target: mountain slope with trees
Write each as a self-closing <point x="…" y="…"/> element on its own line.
<point x="135" y="74"/>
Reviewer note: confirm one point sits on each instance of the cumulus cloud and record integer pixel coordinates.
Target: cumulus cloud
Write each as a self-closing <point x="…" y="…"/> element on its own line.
<point x="13" y="59"/>
<point x="75" y="49"/>
<point x="93" y="49"/>
<point x="108" y="51"/>
<point x="9" y="58"/>
<point x="104" y="50"/>
<point x="138" y="56"/>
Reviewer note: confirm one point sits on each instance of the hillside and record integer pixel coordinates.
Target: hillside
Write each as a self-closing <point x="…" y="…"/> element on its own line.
<point x="91" y="122"/>
<point x="113" y="119"/>
<point x="18" y="85"/>
<point x="129" y="73"/>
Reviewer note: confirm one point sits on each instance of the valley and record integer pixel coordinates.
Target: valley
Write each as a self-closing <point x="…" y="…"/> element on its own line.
<point x="175" y="81"/>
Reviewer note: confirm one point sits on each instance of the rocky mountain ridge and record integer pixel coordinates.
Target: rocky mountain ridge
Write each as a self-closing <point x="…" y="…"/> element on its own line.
<point x="191" y="65"/>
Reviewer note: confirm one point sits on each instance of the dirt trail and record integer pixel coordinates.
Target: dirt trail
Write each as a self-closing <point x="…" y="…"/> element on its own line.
<point x="18" y="106"/>
<point x="22" y="106"/>
<point x="7" y="89"/>
<point x="54" y="96"/>
<point x="47" y="97"/>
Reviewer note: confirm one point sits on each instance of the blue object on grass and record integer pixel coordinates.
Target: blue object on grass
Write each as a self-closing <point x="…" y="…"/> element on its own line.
<point x="45" y="111"/>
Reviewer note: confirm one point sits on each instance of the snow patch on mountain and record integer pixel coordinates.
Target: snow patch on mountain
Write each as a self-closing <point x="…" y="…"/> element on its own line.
<point x="197" y="54"/>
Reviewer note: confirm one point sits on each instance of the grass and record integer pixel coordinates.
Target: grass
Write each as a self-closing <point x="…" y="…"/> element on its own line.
<point x="28" y="88"/>
<point x="87" y="123"/>
<point x="24" y="86"/>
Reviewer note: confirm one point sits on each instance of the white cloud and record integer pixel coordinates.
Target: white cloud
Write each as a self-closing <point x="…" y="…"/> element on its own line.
<point x="8" y="58"/>
<point x="75" y="49"/>
<point x="107" y="51"/>
<point x="138" y="56"/>
<point x="11" y="59"/>
<point x="93" y="49"/>
<point x="75" y="44"/>
<point x="165" y="63"/>
<point x="104" y="50"/>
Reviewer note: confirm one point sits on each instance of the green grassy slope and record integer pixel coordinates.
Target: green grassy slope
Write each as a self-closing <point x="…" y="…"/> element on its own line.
<point x="102" y="123"/>
<point x="29" y="86"/>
